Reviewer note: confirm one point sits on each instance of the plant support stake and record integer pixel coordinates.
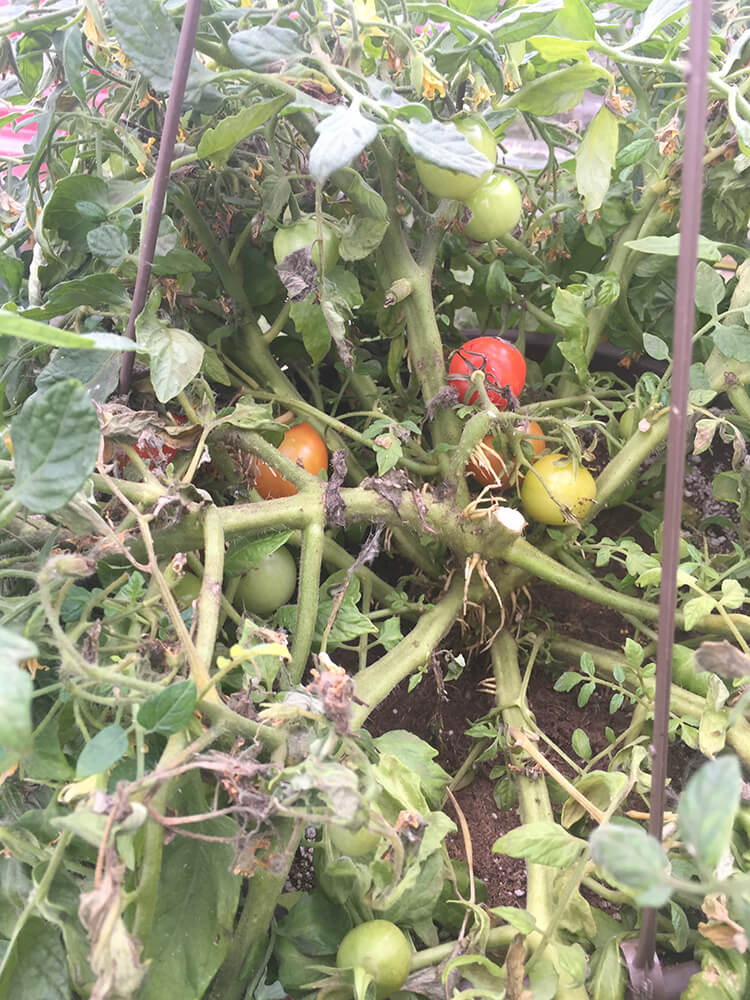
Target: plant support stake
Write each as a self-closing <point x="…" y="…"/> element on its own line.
<point x="161" y="176"/>
<point x="684" y="319"/>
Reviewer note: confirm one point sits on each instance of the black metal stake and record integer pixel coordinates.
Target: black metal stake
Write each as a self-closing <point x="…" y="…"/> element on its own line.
<point x="684" y="319"/>
<point x="185" y="48"/>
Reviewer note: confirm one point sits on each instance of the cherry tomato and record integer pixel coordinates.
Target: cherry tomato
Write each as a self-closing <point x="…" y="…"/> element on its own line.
<point x="353" y="843"/>
<point x="488" y="466"/>
<point x="495" y="209"/>
<point x="304" y="234"/>
<point x="629" y="420"/>
<point x="554" y="482"/>
<point x="379" y="947"/>
<point x="265" y="587"/>
<point x="503" y="366"/>
<point x="444" y="183"/>
<point x="304" y="446"/>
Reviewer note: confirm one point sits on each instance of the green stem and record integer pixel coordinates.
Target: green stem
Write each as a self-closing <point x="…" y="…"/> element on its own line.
<point x="209" y="602"/>
<point x="376" y="682"/>
<point x="307" y="597"/>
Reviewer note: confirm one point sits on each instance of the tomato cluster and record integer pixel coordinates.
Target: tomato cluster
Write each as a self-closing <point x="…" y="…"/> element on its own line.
<point x="493" y="199"/>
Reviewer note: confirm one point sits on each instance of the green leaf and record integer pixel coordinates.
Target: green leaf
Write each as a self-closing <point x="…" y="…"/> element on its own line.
<point x="103" y="292"/>
<point x="309" y="320"/>
<point x="542" y="842"/>
<point x="217" y="143"/>
<point x="523" y="921"/>
<point x="175" y="356"/>
<point x="11" y="278"/>
<point x="178" y="260"/>
<point x="149" y="38"/>
<point x="608" y="978"/>
<point x="170" y="710"/>
<point x="707" y="807"/>
<point x="418" y="756"/>
<point x="97" y="371"/>
<point x="244" y="554"/>
<point x="56" y="442"/>
<point x="195" y="911"/>
<point x="13" y="325"/>
<point x="733" y="342"/>
<point x="361" y="237"/>
<point x="669" y="246"/>
<point x="634" y="859"/>
<point x="316" y="925"/>
<point x="559" y="90"/>
<point x="518" y="23"/>
<point x="109" y="243"/>
<point x="102" y="751"/>
<point x="341" y="137"/>
<point x="657" y="14"/>
<point x="267" y="49"/>
<point x="595" y="158"/>
<point x="72" y="59"/>
<point x="655" y="347"/>
<point x="553" y="49"/>
<point x="17" y="689"/>
<point x="709" y="288"/>
<point x="35" y="965"/>
<point x="78" y="203"/>
<point x="443" y="145"/>
<point x="580" y="742"/>
<point x="696" y="610"/>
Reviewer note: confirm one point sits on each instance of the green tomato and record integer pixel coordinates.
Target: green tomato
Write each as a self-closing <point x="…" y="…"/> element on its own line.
<point x="552" y="483"/>
<point x="186" y="589"/>
<point x="304" y="234"/>
<point x="353" y="843"/>
<point x="444" y="183"/>
<point x="379" y="947"/>
<point x="629" y="420"/>
<point x="495" y="209"/>
<point x="268" y="585"/>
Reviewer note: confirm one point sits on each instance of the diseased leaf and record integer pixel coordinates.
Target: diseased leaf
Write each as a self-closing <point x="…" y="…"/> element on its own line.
<point x="55" y="442"/>
<point x="267" y="49"/>
<point x="634" y="859"/>
<point x="443" y="145"/>
<point x="595" y="158"/>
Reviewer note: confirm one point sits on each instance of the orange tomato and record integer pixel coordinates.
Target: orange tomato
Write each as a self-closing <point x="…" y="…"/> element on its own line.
<point x="488" y="466"/>
<point x="302" y="445"/>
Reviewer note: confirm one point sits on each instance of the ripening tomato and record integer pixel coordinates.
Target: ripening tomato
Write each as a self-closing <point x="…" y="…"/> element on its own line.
<point x="554" y="483"/>
<point x="303" y="445"/>
<point x="488" y="466"/>
<point x="265" y="587"/>
<point x="502" y="363"/>
<point x="495" y="209"/>
<point x="304" y="234"/>
<point x="444" y="183"/>
<point x="379" y="947"/>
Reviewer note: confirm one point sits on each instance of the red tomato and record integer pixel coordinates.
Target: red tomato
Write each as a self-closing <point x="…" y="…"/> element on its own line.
<point x="488" y="466"/>
<point x="503" y="366"/>
<point x="303" y="445"/>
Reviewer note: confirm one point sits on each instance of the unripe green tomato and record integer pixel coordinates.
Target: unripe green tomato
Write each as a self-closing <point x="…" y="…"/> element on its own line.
<point x="629" y="421"/>
<point x="379" y="947"/>
<point x="444" y="183"/>
<point x="186" y="589"/>
<point x="353" y="843"/>
<point x="495" y="209"/>
<point x="264" y="588"/>
<point x="304" y="234"/>
<point x="553" y="481"/>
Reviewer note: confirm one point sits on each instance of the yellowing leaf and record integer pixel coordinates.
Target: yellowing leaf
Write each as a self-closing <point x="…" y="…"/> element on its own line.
<point x="595" y="159"/>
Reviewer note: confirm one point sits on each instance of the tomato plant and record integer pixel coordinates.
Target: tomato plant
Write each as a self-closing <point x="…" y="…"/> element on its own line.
<point x="302" y="445"/>
<point x="267" y="586"/>
<point x="379" y="947"/>
<point x="488" y="465"/>
<point x="554" y="485"/>
<point x="503" y="366"/>
<point x="495" y="209"/>
<point x="304" y="233"/>
<point x="454" y="184"/>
